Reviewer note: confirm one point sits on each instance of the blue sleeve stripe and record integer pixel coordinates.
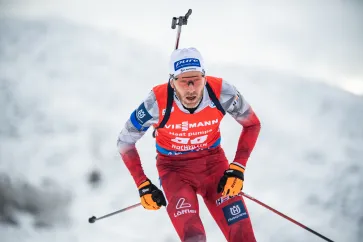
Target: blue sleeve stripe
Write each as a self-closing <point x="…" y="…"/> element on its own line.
<point x="135" y="123"/>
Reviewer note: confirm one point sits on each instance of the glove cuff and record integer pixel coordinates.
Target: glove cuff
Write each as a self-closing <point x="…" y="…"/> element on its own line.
<point x="236" y="167"/>
<point x="146" y="188"/>
<point x="232" y="172"/>
<point x="144" y="184"/>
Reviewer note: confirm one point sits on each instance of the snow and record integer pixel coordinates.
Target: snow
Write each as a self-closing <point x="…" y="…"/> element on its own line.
<point x="65" y="93"/>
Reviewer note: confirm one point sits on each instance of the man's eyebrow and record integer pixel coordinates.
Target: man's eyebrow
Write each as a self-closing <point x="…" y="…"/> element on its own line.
<point x="188" y="77"/>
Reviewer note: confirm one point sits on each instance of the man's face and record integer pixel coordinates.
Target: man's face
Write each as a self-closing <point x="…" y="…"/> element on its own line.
<point x="189" y="88"/>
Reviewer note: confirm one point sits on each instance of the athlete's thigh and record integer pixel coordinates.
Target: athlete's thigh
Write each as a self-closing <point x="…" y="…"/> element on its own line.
<point x="182" y="207"/>
<point x="230" y="213"/>
<point x="233" y="218"/>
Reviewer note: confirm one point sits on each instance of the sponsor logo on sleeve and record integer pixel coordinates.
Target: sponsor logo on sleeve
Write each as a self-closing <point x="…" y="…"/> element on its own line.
<point x="235" y="212"/>
<point x="236" y="98"/>
<point x="142" y="115"/>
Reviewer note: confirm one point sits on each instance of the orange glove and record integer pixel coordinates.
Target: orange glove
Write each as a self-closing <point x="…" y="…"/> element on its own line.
<point x="151" y="197"/>
<point x="231" y="183"/>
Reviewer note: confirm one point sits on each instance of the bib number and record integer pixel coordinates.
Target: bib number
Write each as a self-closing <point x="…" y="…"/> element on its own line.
<point x="184" y="141"/>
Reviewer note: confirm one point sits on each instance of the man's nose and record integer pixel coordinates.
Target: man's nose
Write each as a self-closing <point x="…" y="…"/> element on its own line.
<point x="190" y="86"/>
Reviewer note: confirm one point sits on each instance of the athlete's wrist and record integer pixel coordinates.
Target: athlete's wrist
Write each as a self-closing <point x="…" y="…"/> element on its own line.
<point x="237" y="166"/>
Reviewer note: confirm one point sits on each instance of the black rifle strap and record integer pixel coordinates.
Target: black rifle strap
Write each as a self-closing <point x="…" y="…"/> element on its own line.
<point x="169" y="105"/>
<point x="214" y="98"/>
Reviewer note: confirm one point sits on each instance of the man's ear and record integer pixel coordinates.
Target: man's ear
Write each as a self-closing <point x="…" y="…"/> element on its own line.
<point x="172" y="83"/>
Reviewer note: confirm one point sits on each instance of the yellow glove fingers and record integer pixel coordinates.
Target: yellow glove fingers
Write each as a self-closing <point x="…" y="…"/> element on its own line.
<point x="148" y="203"/>
<point x="228" y="186"/>
<point x="233" y="186"/>
<point x="237" y="187"/>
<point x="151" y="197"/>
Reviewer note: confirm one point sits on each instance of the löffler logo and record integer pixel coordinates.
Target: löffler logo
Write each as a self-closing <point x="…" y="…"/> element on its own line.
<point x="182" y="208"/>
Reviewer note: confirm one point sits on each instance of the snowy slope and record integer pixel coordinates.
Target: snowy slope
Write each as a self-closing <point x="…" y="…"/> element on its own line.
<point x="65" y="93"/>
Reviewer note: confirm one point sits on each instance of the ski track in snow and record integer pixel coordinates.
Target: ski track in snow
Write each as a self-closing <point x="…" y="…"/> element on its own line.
<point x="65" y="93"/>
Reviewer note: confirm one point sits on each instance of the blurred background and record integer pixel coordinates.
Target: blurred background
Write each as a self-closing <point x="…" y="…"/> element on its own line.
<point x="71" y="72"/>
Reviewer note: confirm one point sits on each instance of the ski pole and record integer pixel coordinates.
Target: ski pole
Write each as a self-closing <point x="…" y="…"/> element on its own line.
<point x="94" y="219"/>
<point x="182" y="20"/>
<point x="286" y="217"/>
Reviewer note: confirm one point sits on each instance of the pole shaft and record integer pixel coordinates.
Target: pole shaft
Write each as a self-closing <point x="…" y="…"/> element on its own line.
<point x="178" y="37"/>
<point x="120" y="211"/>
<point x="287" y="217"/>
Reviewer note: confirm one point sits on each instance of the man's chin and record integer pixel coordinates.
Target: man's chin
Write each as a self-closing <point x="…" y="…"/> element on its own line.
<point x="190" y="104"/>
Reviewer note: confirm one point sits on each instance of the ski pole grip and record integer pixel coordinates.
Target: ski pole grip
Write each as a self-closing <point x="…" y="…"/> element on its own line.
<point x="182" y="20"/>
<point x="188" y="14"/>
<point x="173" y="23"/>
<point x="185" y="18"/>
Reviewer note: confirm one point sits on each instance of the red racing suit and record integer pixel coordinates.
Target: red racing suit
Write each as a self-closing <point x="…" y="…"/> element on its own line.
<point x="191" y="161"/>
<point x="183" y="177"/>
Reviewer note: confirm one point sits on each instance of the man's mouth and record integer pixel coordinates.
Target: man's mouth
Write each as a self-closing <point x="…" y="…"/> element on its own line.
<point x="191" y="98"/>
